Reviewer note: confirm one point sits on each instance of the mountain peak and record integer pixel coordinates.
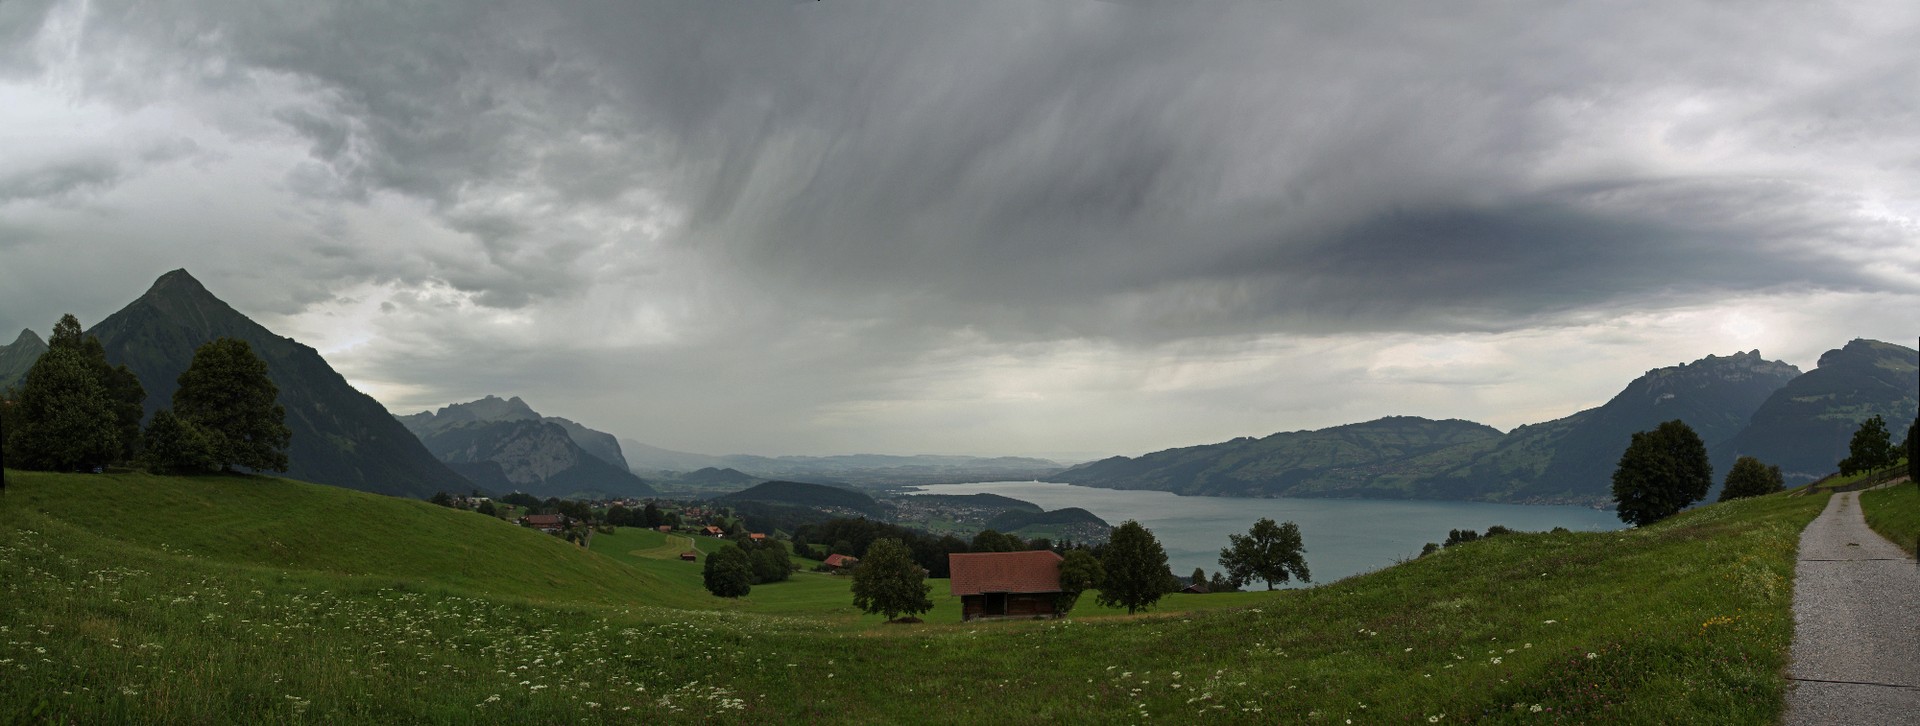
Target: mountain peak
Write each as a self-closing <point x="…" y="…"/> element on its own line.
<point x="30" y="338"/>
<point x="177" y="283"/>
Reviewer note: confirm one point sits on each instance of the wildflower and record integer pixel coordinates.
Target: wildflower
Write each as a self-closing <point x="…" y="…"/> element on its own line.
<point x="1591" y="656"/>
<point x="1535" y="709"/>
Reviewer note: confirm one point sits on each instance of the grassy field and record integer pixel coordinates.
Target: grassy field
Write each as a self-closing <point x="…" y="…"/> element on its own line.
<point x="1894" y="512"/>
<point x="226" y="599"/>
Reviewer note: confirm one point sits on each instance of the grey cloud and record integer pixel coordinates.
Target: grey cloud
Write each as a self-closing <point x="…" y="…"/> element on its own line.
<point x="60" y="180"/>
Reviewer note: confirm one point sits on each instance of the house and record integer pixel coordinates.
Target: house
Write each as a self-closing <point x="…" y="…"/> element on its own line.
<point x="757" y="536"/>
<point x="549" y="523"/>
<point x="1198" y="588"/>
<point x="841" y="562"/>
<point x="713" y="531"/>
<point x="690" y="555"/>
<point x="1005" y="584"/>
<point x="665" y="529"/>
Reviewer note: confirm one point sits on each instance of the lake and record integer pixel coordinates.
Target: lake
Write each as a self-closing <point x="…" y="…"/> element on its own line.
<point x="1343" y="536"/>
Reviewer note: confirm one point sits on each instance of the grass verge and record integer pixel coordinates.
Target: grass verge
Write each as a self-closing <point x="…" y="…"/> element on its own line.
<point x="1894" y="512"/>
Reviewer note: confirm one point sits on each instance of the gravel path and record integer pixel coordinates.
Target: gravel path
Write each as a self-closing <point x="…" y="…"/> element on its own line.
<point x="1856" y="616"/>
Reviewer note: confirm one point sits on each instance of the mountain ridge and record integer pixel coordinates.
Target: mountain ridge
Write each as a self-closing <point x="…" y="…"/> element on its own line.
<point x="341" y="436"/>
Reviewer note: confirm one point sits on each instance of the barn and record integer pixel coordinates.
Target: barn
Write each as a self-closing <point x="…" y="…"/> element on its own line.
<point x="1005" y="584"/>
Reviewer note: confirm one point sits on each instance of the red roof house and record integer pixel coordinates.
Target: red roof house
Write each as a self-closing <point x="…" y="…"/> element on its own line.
<point x="690" y="555"/>
<point x="665" y="528"/>
<point x="756" y="536"/>
<point x="715" y="531"/>
<point x="1005" y="584"/>
<point x="545" y="522"/>
<point x="842" y="562"/>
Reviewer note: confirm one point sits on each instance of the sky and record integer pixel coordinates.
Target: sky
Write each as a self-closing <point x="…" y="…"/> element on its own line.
<point x="1065" y="228"/>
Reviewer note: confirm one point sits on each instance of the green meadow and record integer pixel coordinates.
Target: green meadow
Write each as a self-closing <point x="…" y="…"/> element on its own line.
<point x="1894" y="512"/>
<point x="137" y="598"/>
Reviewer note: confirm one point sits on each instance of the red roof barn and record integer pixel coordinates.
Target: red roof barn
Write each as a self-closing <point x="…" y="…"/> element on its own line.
<point x="545" y="522"/>
<point x="1005" y="584"/>
<point x="842" y="562"/>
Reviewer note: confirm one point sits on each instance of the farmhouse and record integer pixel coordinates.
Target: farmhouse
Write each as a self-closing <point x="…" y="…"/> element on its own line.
<point x="690" y="555"/>
<point x="713" y="531"/>
<point x="837" y="562"/>
<point x="549" y="523"/>
<point x="1005" y="584"/>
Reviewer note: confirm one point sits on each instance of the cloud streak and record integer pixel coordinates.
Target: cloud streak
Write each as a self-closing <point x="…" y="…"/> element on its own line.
<point x="868" y="220"/>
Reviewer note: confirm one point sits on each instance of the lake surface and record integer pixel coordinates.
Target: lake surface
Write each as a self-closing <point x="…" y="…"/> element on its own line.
<point x="1343" y="536"/>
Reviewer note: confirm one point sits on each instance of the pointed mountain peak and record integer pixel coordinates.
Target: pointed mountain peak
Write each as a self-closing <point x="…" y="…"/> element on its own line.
<point x="30" y="339"/>
<point x="177" y="283"/>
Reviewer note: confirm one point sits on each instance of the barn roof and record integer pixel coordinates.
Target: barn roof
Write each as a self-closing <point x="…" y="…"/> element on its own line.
<point x="974" y="573"/>
<point x="837" y="560"/>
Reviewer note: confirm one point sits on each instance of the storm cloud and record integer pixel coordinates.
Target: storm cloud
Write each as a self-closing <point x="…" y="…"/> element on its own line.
<point x="918" y="226"/>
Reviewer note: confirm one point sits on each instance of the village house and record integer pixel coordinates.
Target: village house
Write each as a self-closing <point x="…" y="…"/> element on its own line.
<point x="757" y="536"/>
<point x="665" y="529"/>
<point x="713" y="531"/>
<point x="1005" y="584"/>
<point x="839" y="563"/>
<point x="549" y="523"/>
<point x="690" y="555"/>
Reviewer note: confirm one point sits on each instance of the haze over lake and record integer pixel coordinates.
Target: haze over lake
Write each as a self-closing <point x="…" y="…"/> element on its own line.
<point x="1343" y="536"/>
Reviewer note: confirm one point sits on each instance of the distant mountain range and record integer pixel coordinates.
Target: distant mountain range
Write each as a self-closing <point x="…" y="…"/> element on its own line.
<point x="858" y="469"/>
<point x="1739" y="404"/>
<point x="340" y="436"/>
<point x="504" y="445"/>
<point x="18" y="356"/>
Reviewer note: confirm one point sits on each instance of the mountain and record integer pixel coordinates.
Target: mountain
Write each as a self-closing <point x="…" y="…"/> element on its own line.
<point x="1567" y="460"/>
<point x="1339" y="461"/>
<point x="600" y="444"/>
<point x="18" y="356"/>
<point x="502" y="445"/>
<point x="340" y="436"/>
<point x="816" y="496"/>
<point x="643" y="459"/>
<point x="530" y="455"/>
<point x="1015" y="520"/>
<point x="1804" y="427"/>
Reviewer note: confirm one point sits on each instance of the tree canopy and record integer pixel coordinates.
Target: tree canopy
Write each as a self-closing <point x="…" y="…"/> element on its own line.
<point x="1871" y="449"/>
<point x="1136" y="568"/>
<point x="1751" y="478"/>
<point x="1661" y="472"/>
<point x="1269" y="552"/>
<point x="729" y="572"/>
<point x="1080" y="571"/>
<point x="64" y="419"/>
<point x="227" y="394"/>
<point x="888" y="581"/>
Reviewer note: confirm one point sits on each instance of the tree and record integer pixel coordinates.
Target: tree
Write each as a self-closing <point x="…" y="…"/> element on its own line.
<point x="728" y="573"/>
<point x="1199" y="576"/>
<point x="1662" y="472"/>
<point x="1913" y="452"/>
<point x="650" y="516"/>
<point x="176" y="446"/>
<point x="1871" y="448"/>
<point x="992" y="541"/>
<point x="226" y="392"/>
<point x="770" y="562"/>
<point x="1270" y="552"/>
<point x="64" y="419"/>
<point x="124" y="392"/>
<point x="1750" y="478"/>
<point x="889" y="582"/>
<point x="1080" y="571"/>
<point x="1136" y="567"/>
<point x="441" y="498"/>
<point x="486" y="507"/>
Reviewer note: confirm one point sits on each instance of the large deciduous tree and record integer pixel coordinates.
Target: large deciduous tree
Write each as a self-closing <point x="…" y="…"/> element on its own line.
<point x="1136" y="568"/>
<point x="1751" y="478"/>
<point x="889" y="582"/>
<point x="1269" y="552"/>
<point x="176" y="446"/>
<point x="1661" y="472"/>
<point x="729" y="572"/>
<point x="227" y="394"/>
<point x="1871" y="449"/>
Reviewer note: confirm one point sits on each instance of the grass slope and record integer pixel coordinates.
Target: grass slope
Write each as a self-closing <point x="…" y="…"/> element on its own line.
<point x="1685" y="621"/>
<point x="1894" y="512"/>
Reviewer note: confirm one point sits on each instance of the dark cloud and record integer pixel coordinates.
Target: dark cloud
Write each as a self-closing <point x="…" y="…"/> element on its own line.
<point x="853" y="200"/>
